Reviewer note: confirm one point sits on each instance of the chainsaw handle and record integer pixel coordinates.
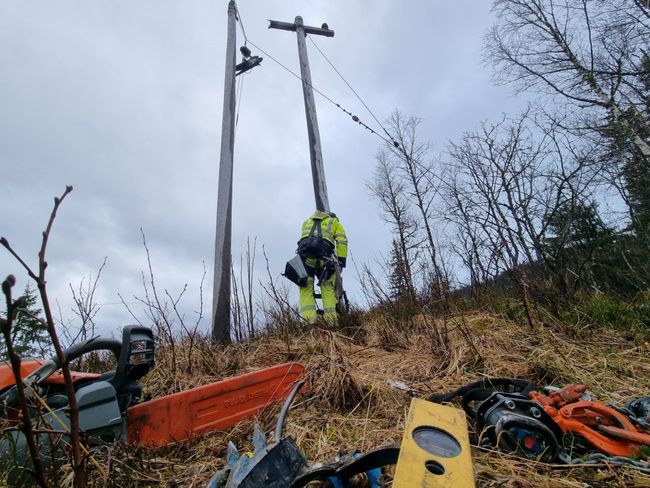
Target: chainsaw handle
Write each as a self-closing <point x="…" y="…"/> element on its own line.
<point x="93" y="344"/>
<point x="70" y="354"/>
<point x="48" y="368"/>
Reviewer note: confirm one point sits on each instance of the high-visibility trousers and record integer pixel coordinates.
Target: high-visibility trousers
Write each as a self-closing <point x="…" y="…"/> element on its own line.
<point x="308" y="302"/>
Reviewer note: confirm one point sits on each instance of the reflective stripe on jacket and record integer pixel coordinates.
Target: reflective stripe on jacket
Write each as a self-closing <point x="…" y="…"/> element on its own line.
<point x="330" y="229"/>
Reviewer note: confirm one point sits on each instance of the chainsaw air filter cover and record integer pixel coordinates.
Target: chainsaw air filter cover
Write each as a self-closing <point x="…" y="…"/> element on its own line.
<point x="516" y="424"/>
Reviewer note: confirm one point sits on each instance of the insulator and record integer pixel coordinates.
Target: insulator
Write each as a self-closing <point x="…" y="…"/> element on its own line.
<point x="245" y="51"/>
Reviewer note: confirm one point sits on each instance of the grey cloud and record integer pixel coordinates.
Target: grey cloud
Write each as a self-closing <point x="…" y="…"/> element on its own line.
<point x="123" y="100"/>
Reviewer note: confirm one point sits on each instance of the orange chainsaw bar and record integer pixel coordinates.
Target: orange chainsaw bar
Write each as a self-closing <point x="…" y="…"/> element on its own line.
<point x="208" y="408"/>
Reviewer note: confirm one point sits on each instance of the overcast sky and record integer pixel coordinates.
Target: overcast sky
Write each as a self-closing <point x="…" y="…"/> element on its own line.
<point x="123" y="100"/>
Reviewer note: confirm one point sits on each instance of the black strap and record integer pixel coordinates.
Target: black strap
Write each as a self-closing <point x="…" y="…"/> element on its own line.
<point x="316" y="228"/>
<point x="482" y="389"/>
<point x="377" y="458"/>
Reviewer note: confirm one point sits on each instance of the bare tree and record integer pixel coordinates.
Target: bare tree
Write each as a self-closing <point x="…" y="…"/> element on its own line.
<point x="86" y="307"/>
<point x="390" y="191"/>
<point x="278" y="309"/>
<point x="495" y="179"/>
<point x="242" y="300"/>
<point x="413" y="158"/>
<point x="505" y="189"/>
<point x="590" y="53"/>
<point x="469" y="242"/>
<point x="78" y="461"/>
<point x="15" y="360"/>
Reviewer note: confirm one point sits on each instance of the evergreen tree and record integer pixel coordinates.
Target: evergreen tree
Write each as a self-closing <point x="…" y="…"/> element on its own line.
<point x="29" y="335"/>
<point x="587" y="254"/>
<point x="634" y="165"/>
<point x="400" y="282"/>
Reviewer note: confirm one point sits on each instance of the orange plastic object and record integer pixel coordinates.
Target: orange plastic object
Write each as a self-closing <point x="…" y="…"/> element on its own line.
<point x="584" y="417"/>
<point x="57" y="377"/>
<point x="569" y="394"/>
<point x="217" y="406"/>
<point x="27" y="367"/>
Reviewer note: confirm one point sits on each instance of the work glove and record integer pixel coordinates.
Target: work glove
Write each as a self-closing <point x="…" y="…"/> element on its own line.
<point x="341" y="262"/>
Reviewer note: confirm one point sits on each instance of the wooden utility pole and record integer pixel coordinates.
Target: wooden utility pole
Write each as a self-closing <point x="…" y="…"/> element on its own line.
<point x="223" y="239"/>
<point x="315" y="152"/>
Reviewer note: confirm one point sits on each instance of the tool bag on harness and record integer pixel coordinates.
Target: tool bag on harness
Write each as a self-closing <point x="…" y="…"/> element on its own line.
<point x="314" y="245"/>
<point x="295" y="271"/>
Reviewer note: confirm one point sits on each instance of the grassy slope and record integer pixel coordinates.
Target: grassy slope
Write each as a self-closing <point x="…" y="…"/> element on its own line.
<point x="351" y="406"/>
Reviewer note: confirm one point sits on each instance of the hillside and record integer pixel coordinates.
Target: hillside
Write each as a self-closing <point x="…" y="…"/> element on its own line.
<point x="350" y="404"/>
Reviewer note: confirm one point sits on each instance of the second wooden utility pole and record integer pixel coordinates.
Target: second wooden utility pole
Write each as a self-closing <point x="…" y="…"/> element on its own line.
<point x="223" y="238"/>
<point x="315" y="151"/>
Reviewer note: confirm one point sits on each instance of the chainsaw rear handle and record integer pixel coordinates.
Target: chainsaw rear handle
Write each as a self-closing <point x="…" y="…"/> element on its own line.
<point x="48" y="368"/>
<point x="93" y="344"/>
<point x="70" y="354"/>
<point x="120" y="349"/>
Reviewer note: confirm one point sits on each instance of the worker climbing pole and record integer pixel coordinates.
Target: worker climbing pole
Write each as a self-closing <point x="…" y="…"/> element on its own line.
<point x="322" y="248"/>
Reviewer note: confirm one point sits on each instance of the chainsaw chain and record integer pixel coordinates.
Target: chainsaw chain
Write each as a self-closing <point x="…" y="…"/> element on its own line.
<point x="599" y="458"/>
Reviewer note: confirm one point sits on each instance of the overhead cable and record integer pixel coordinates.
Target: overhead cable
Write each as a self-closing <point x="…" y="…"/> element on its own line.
<point x="350" y="87"/>
<point x="355" y="118"/>
<point x="241" y="24"/>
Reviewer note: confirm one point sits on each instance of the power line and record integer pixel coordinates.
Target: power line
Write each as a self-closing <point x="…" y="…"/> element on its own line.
<point x="238" y="104"/>
<point x="354" y="117"/>
<point x="390" y="141"/>
<point x="241" y="24"/>
<point x="350" y="87"/>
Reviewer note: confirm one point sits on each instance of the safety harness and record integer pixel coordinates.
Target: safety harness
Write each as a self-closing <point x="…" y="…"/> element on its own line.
<point x="314" y="245"/>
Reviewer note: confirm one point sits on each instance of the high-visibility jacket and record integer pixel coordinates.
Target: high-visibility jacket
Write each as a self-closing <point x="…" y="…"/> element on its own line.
<point x="330" y="229"/>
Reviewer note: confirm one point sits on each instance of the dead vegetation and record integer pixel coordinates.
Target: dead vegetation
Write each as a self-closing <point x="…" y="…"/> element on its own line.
<point x="350" y="405"/>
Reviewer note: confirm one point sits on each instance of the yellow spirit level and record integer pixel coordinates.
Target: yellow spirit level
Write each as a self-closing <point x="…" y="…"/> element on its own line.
<point x="435" y="449"/>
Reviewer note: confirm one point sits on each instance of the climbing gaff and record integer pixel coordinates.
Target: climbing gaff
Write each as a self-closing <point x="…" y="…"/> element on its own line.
<point x="295" y="271"/>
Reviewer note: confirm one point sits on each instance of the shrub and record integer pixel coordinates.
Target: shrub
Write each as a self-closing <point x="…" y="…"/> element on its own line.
<point x="607" y="310"/>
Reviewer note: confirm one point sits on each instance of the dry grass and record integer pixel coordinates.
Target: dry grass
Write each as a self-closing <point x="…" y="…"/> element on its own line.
<point x="351" y="406"/>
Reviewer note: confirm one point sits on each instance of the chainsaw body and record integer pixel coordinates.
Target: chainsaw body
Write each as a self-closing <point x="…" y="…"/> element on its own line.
<point x="102" y="399"/>
<point x="110" y="404"/>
